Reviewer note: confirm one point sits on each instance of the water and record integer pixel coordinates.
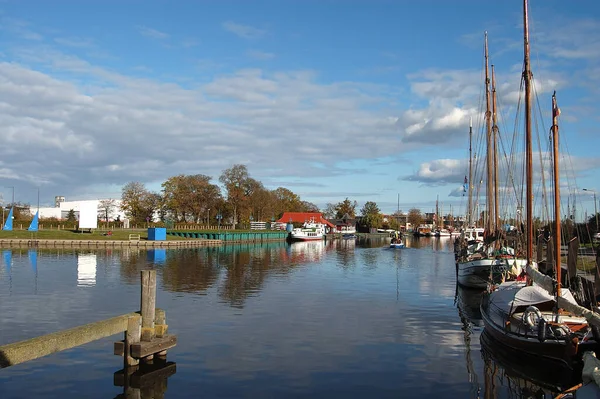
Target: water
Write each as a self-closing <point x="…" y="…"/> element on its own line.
<point x="341" y="318"/>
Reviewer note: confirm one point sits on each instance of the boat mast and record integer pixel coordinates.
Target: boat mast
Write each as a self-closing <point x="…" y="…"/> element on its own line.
<point x="495" y="146"/>
<point x="489" y="156"/>
<point x="528" y="141"/>
<point x="470" y="199"/>
<point x="557" y="235"/>
<point x="437" y="211"/>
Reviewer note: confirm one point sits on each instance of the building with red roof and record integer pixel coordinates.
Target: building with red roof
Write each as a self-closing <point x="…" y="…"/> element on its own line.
<point x="301" y="217"/>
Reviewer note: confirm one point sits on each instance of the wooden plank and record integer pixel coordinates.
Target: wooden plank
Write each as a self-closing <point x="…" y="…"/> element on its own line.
<point x="35" y="348"/>
<point x="146" y="348"/>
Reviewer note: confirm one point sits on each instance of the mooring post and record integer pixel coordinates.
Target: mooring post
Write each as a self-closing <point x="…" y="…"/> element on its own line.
<point x="148" y="305"/>
<point x="132" y="336"/>
<point x="160" y="328"/>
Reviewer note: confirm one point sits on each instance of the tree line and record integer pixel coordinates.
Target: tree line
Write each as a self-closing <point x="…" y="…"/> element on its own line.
<point x="196" y="199"/>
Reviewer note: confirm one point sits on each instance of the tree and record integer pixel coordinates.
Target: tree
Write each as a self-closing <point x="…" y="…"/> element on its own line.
<point x="308" y="206"/>
<point x="189" y="198"/>
<point x="235" y="179"/>
<point x="106" y="208"/>
<point x="286" y="201"/>
<point x="138" y="203"/>
<point x="414" y="217"/>
<point x="329" y="211"/>
<point x="71" y="216"/>
<point x="371" y="215"/>
<point x="346" y="207"/>
<point x="260" y="203"/>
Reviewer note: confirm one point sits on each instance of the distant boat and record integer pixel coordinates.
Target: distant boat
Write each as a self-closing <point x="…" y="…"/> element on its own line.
<point x="310" y="231"/>
<point x="398" y="244"/>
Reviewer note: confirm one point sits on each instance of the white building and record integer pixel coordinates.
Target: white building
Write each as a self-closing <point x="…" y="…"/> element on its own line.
<point x="62" y="209"/>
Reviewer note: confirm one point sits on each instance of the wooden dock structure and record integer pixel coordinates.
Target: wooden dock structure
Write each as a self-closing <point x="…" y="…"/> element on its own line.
<point x="145" y="334"/>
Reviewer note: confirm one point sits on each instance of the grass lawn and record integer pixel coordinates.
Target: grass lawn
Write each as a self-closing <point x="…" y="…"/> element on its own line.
<point x="118" y="235"/>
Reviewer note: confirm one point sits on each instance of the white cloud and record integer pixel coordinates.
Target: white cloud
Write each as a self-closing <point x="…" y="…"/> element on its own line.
<point x="74" y="41"/>
<point x="122" y="129"/>
<point x="153" y="33"/>
<point x="260" y="55"/>
<point x="244" y="31"/>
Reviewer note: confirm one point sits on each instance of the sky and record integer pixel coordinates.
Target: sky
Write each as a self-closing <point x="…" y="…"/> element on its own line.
<point x="366" y="100"/>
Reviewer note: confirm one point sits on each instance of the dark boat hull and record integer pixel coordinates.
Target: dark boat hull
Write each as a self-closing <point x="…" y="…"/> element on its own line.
<point x="560" y="351"/>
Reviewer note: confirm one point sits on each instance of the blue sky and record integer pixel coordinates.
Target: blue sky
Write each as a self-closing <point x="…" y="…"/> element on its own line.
<point x="332" y="99"/>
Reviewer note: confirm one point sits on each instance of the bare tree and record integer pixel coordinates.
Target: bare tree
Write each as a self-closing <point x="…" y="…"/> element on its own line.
<point x="106" y="208"/>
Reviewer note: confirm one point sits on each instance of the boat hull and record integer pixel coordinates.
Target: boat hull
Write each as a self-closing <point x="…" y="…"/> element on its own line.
<point x="476" y="273"/>
<point x="552" y="350"/>
<point x="397" y="246"/>
<point x="301" y="238"/>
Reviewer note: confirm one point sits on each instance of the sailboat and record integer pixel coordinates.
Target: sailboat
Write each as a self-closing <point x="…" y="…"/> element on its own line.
<point x="440" y="231"/>
<point x="397" y="241"/>
<point x="543" y="318"/>
<point x="480" y="262"/>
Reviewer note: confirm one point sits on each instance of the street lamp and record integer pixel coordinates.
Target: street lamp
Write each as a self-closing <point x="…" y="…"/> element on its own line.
<point x="208" y="216"/>
<point x="595" y="207"/>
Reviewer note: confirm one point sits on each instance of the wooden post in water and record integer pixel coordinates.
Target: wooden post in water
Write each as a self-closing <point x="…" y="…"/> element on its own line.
<point x="132" y="336"/>
<point x="148" y="305"/>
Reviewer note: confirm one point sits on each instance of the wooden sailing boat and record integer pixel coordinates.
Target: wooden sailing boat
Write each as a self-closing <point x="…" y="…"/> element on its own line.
<point x="480" y="262"/>
<point x="541" y="319"/>
<point x="397" y="241"/>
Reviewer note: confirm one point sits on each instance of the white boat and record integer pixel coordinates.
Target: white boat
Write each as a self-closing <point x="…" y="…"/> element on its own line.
<point x="310" y="231"/>
<point x="442" y="233"/>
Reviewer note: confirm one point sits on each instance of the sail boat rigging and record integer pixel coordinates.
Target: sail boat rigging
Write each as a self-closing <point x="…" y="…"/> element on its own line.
<point x="397" y="241"/>
<point x="542" y="319"/>
<point x="478" y="261"/>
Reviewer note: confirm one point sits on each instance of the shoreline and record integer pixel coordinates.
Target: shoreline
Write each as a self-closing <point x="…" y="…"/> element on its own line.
<point x="51" y="243"/>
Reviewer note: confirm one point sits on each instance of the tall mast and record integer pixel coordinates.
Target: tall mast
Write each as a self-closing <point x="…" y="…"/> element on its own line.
<point x="470" y="199"/>
<point x="489" y="156"/>
<point x="555" y="113"/>
<point x="437" y="211"/>
<point x="495" y="146"/>
<point x="528" y="141"/>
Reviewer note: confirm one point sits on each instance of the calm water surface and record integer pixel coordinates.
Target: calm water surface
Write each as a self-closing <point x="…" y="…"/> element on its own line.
<point x="341" y="318"/>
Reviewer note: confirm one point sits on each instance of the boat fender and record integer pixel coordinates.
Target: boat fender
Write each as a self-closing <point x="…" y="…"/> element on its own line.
<point x="542" y="330"/>
<point x="531" y="316"/>
<point x="596" y="333"/>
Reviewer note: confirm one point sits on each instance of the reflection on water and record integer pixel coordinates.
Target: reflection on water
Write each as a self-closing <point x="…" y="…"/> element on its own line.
<point x="523" y="376"/>
<point x="146" y="381"/>
<point x="86" y="270"/>
<point x="335" y="318"/>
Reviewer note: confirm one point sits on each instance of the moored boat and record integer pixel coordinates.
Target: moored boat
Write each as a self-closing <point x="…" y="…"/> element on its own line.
<point x="542" y="319"/>
<point x="310" y="231"/>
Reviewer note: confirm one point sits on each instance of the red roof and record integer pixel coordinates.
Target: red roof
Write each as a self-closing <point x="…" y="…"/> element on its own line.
<point x="302" y="217"/>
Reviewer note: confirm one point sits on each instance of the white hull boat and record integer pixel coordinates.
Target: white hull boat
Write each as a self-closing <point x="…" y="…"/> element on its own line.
<point x="310" y="231"/>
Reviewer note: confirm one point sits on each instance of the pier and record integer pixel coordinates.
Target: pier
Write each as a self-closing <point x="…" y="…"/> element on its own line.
<point x="145" y="334"/>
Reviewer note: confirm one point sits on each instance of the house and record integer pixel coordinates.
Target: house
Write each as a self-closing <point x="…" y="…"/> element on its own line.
<point x="301" y="217"/>
<point x="345" y="225"/>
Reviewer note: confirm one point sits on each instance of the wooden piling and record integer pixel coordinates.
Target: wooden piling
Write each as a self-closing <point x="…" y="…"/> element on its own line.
<point x="148" y="303"/>
<point x="132" y="336"/>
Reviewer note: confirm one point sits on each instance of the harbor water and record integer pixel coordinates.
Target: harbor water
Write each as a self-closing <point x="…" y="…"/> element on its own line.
<point x="337" y="319"/>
